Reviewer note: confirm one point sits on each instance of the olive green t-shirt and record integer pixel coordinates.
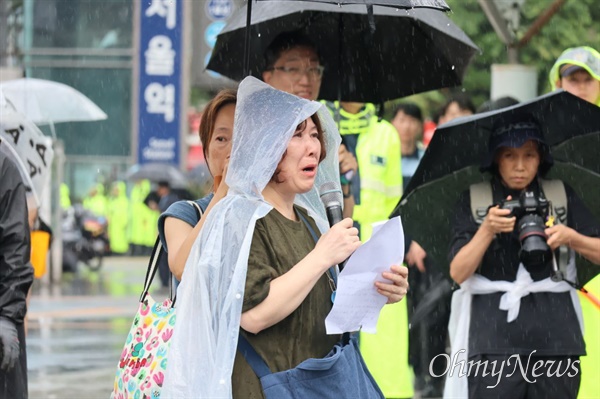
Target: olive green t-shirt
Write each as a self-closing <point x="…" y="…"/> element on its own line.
<point x="277" y="245"/>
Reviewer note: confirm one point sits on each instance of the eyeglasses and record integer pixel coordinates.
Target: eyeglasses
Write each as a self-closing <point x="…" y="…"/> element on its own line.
<point x="296" y="73"/>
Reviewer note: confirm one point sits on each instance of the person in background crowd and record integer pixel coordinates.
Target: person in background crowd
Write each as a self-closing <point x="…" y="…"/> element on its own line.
<point x="408" y="121"/>
<point x="167" y="196"/>
<point x="96" y="201"/>
<point x="577" y="71"/>
<point x="292" y="65"/>
<point x="141" y="219"/>
<point x="499" y="103"/>
<point x="180" y="224"/>
<point x="455" y="107"/>
<point x="65" y="196"/>
<point x="16" y="277"/>
<point x="427" y="338"/>
<point x="117" y="215"/>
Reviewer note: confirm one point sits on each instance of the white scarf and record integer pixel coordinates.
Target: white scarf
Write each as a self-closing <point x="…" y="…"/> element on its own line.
<point x="460" y="316"/>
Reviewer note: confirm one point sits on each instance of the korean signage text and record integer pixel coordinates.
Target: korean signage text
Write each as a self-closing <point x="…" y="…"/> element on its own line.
<point x="161" y="35"/>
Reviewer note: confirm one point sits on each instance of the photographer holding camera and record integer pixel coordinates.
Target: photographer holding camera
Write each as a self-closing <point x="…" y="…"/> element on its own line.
<point x="505" y="264"/>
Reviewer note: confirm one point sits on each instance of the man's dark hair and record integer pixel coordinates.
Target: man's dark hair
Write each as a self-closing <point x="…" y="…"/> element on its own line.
<point x="463" y="101"/>
<point x="493" y="105"/>
<point x="285" y="41"/>
<point x="164" y="184"/>
<point x="410" y="109"/>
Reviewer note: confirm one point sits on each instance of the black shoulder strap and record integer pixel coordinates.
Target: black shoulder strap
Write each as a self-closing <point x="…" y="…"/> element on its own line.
<point x="152" y="267"/>
<point x="255" y="361"/>
<point x="481" y="198"/>
<point x="158" y="252"/>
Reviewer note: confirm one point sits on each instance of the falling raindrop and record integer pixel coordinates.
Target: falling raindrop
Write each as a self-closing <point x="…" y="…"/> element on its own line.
<point x="453" y="67"/>
<point x="259" y="34"/>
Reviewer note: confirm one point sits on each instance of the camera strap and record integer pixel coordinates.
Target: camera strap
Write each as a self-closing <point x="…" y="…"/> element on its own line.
<point x="554" y="191"/>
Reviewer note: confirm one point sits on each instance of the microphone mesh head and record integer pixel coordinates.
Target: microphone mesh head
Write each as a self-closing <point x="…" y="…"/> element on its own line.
<point x="331" y="194"/>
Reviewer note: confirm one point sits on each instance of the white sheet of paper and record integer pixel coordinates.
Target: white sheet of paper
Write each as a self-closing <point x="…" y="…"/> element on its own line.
<point x="357" y="302"/>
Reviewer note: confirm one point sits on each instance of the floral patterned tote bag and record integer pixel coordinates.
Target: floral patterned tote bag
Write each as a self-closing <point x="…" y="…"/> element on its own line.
<point x="143" y="361"/>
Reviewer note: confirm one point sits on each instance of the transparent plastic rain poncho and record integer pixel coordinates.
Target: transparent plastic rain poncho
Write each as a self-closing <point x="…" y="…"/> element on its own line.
<point x="210" y="297"/>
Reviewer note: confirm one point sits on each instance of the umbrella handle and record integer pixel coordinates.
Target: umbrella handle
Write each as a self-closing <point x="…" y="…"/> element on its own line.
<point x="247" y="40"/>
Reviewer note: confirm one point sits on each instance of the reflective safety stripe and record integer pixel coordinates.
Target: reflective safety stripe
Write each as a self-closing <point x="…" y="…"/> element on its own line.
<point x="380" y="187"/>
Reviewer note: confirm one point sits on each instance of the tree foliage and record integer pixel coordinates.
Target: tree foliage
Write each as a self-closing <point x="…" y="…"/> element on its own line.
<point x="575" y="24"/>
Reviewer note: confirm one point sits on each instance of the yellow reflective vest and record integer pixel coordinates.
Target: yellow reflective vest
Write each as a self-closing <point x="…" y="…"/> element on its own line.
<point x="379" y="162"/>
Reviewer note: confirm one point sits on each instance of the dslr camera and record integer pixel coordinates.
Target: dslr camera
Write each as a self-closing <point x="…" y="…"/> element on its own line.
<point x="531" y="212"/>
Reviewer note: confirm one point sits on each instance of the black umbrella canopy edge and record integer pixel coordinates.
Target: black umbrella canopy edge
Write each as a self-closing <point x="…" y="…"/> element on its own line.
<point x="586" y="120"/>
<point x="435" y="237"/>
<point x="296" y="17"/>
<point x="400" y="4"/>
<point x="575" y="133"/>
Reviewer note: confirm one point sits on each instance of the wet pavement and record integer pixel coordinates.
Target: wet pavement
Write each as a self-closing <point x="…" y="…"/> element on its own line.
<point x="77" y="331"/>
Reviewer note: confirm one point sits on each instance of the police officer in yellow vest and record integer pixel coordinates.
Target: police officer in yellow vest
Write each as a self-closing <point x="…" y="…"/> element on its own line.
<point x="377" y="188"/>
<point x="65" y="196"/>
<point x="118" y="213"/>
<point x="141" y="218"/>
<point x="577" y="70"/>
<point x="96" y="201"/>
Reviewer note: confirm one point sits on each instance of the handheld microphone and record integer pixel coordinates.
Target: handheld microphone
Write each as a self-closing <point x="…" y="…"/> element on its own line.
<point x="332" y="198"/>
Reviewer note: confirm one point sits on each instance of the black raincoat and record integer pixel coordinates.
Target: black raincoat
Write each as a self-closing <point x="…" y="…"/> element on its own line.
<point x="16" y="273"/>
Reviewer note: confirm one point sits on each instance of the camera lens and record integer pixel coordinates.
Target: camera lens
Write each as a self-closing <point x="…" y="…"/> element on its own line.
<point x="535" y="252"/>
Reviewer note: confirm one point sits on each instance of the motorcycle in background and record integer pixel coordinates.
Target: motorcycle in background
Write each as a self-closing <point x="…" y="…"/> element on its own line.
<point x="85" y="239"/>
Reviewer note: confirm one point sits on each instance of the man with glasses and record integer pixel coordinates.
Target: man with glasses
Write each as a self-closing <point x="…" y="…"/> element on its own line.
<point x="292" y="64"/>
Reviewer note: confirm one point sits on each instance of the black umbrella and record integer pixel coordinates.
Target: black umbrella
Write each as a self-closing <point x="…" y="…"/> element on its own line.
<point x="571" y="127"/>
<point x="400" y="4"/>
<point x="409" y="51"/>
<point x="157" y="172"/>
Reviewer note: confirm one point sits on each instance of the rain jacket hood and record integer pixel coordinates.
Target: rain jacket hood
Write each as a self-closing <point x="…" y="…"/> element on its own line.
<point x="211" y="294"/>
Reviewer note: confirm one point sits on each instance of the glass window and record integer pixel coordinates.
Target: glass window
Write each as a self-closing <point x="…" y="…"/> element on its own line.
<point x="82" y="23"/>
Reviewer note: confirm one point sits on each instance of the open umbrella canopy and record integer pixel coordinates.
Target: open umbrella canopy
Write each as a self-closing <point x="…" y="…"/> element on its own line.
<point x="571" y="127"/>
<point x="31" y="150"/>
<point x="48" y="102"/>
<point x="404" y="4"/>
<point x="393" y="54"/>
<point x="157" y="172"/>
<point x="399" y="4"/>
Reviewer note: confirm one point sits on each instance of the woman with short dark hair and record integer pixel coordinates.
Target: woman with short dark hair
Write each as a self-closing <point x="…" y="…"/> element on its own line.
<point x="518" y="313"/>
